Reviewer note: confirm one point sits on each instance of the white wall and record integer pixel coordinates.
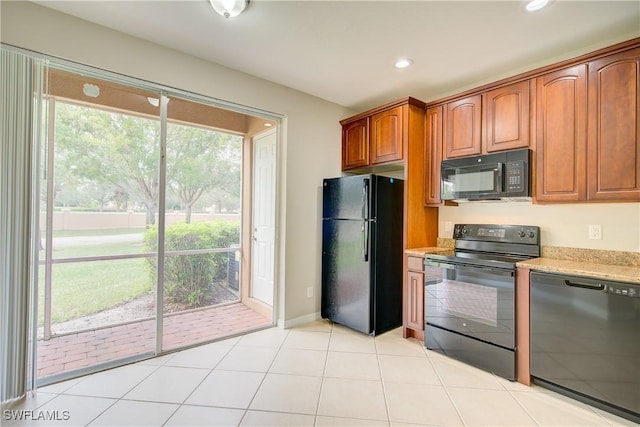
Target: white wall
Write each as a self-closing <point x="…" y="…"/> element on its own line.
<point x="561" y="225"/>
<point x="310" y="147"/>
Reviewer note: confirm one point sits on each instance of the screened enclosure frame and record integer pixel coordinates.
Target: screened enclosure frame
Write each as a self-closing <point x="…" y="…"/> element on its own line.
<point x="165" y="94"/>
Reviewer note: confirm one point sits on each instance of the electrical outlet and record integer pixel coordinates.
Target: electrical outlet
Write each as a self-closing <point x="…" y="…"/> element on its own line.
<point x="310" y="292"/>
<point x="595" y="232"/>
<point x="448" y="226"/>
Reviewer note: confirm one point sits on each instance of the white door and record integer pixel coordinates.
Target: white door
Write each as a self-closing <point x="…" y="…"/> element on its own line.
<point x="264" y="206"/>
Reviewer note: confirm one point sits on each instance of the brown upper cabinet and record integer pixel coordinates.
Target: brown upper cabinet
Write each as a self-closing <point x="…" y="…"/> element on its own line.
<point x="613" y="145"/>
<point x="355" y="144"/>
<point x="580" y="117"/>
<point x="386" y="136"/>
<point x="433" y="155"/>
<point x="495" y="120"/>
<point x="587" y="131"/>
<point x="377" y="137"/>
<point x="463" y="128"/>
<point x="561" y="135"/>
<point x="506" y="117"/>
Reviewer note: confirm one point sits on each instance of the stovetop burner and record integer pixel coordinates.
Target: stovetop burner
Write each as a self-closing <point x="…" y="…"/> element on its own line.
<point x="492" y="245"/>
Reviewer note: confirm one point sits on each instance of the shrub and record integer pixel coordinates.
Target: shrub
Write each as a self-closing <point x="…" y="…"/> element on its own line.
<point x="189" y="278"/>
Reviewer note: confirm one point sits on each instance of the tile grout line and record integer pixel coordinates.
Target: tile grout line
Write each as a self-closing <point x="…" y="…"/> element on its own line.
<point x="246" y="410"/>
<point x="322" y="378"/>
<point x="83" y="379"/>
<point x="382" y="382"/>
<point x="199" y="384"/>
<point x="521" y="405"/>
<point x="446" y="390"/>
<point x="121" y="397"/>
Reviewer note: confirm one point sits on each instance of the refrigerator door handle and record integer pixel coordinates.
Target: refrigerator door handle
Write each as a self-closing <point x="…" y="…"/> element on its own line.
<point x="365" y="218"/>
<point x="365" y="241"/>
<point x="365" y="199"/>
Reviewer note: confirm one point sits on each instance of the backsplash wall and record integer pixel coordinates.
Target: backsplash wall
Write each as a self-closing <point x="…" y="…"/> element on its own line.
<point x="561" y="225"/>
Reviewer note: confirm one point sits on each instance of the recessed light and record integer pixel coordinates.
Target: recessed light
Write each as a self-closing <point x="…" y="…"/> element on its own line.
<point x="535" y="5"/>
<point x="403" y="63"/>
<point x="268" y="125"/>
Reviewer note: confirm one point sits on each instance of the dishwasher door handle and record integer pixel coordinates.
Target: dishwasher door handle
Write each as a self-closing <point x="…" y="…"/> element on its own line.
<point x="596" y="287"/>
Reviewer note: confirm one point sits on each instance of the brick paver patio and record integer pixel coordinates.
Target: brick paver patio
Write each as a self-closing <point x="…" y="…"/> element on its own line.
<point x="66" y="353"/>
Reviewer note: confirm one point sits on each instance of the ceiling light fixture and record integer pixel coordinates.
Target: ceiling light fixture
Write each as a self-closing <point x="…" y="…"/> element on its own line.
<point x="403" y="63"/>
<point x="535" y="5"/>
<point x="229" y="8"/>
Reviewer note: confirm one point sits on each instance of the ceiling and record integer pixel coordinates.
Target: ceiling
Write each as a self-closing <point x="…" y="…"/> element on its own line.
<point x="344" y="51"/>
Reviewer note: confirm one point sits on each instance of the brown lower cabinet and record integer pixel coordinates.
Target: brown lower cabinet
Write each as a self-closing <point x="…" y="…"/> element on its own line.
<point x="413" y="299"/>
<point x="523" y="346"/>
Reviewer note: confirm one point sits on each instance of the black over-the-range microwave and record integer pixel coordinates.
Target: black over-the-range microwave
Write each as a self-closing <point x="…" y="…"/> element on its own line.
<point x="502" y="176"/>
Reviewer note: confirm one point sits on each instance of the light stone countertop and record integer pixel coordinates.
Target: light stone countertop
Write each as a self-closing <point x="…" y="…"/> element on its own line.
<point x="421" y="252"/>
<point x="622" y="273"/>
<point x="600" y="264"/>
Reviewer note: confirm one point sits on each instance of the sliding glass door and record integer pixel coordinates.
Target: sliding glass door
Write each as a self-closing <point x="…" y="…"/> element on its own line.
<point x="142" y="236"/>
<point x="97" y="298"/>
<point x="201" y="239"/>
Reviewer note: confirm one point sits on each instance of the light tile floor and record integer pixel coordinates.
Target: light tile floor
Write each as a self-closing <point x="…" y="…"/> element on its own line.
<point x="316" y="375"/>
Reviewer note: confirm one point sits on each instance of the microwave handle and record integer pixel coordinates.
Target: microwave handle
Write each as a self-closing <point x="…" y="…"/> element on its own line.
<point x="500" y="187"/>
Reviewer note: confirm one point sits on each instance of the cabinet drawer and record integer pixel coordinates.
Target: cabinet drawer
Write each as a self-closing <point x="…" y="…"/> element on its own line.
<point x="415" y="263"/>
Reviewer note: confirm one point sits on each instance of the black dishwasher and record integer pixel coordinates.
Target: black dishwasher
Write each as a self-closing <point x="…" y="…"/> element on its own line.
<point x="585" y="340"/>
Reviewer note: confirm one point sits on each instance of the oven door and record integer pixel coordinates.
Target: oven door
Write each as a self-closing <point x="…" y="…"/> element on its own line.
<point x="474" y="301"/>
<point x="473" y="182"/>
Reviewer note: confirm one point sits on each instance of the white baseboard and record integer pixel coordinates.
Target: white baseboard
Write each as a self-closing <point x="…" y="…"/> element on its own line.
<point x="291" y="323"/>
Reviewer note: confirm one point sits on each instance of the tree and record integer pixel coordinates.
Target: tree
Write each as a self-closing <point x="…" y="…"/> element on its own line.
<point x="199" y="160"/>
<point x="119" y="155"/>
<point x="108" y="147"/>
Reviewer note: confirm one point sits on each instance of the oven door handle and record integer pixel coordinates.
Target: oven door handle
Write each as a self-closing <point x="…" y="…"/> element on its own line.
<point x="466" y="267"/>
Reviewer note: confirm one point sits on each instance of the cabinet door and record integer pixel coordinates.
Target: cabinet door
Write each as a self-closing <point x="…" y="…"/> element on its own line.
<point x="462" y="133"/>
<point x="386" y="136"/>
<point x="433" y="156"/>
<point x="414" y="301"/>
<point x="561" y="136"/>
<point x="614" y="129"/>
<point x="355" y="144"/>
<point x="506" y="120"/>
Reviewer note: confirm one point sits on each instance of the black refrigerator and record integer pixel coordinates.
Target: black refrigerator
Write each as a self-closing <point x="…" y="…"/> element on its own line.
<point x="362" y="252"/>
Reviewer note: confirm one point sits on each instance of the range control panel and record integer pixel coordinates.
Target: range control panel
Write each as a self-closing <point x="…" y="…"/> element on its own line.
<point x="528" y="234"/>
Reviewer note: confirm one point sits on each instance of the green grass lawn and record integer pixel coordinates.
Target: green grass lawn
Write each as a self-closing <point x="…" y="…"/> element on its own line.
<point x="84" y="288"/>
<point x="80" y="289"/>
<point x="97" y="232"/>
<point x="99" y="249"/>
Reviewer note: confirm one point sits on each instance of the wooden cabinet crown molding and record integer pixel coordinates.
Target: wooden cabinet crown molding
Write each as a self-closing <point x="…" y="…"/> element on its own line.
<point x="537" y="72"/>
<point x="403" y="101"/>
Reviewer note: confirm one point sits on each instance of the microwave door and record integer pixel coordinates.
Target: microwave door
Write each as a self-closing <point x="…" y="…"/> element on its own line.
<point x="473" y="182"/>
